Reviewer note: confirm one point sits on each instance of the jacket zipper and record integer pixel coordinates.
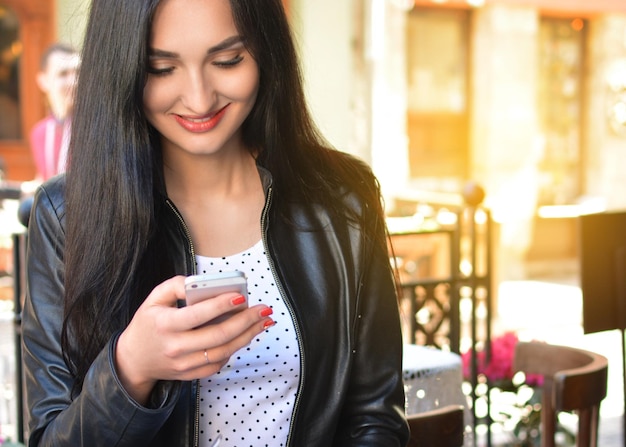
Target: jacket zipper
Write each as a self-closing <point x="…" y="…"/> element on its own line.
<point x="192" y="253"/>
<point x="284" y="297"/>
<point x="289" y="307"/>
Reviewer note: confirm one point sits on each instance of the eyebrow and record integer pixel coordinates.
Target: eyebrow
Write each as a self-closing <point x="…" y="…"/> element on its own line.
<point x="223" y="45"/>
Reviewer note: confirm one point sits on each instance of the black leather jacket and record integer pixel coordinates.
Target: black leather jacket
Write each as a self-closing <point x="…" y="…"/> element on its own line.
<point x="336" y="280"/>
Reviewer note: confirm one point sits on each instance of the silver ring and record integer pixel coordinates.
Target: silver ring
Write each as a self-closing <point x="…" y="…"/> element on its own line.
<point x="206" y="356"/>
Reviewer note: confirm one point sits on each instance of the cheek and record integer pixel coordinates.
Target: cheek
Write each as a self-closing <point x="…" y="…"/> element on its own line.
<point x="154" y="98"/>
<point x="243" y="87"/>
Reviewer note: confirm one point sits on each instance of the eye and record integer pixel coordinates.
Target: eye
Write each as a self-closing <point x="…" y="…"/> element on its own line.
<point x="160" y="71"/>
<point x="230" y="62"/>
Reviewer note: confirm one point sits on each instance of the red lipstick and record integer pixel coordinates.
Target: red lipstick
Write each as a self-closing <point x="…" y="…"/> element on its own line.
<point x="201" y="124"/>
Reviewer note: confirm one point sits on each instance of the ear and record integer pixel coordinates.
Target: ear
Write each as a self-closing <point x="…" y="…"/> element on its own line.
<point x="42" y="81"/>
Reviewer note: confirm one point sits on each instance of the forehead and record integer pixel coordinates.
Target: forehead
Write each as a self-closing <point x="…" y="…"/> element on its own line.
<point x="191" y="21"/>
<point x="61" y="61"/>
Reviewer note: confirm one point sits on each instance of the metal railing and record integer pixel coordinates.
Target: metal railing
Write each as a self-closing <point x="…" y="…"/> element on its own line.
<point x="451" y="308"/>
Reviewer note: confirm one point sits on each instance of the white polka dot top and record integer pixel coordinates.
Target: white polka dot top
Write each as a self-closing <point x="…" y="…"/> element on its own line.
<point x="250" y="401"/>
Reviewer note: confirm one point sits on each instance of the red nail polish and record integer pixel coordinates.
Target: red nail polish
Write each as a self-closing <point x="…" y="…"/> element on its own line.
<point x="268" y="324"/>
<point x="267" y="312"/>
<point x="238" y="300"/>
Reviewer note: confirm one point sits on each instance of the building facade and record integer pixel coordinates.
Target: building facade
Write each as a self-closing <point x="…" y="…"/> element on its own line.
<point x="525" y="97"/>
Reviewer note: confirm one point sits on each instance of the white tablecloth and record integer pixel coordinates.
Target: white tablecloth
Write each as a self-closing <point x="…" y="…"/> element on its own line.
<point x="432" y="378"/>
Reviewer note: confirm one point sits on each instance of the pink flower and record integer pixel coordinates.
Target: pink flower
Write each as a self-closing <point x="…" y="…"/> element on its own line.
<point x="500" y="366"/>
<point x="534" y="380"/>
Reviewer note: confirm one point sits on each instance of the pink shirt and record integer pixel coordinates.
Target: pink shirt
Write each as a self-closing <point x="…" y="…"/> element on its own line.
<point x="48" y="140"/>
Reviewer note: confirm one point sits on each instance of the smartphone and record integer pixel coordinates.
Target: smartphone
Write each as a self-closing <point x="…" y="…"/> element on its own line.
<point x="209" y="285"/>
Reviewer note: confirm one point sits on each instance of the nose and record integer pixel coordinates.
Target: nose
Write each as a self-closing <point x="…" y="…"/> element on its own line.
<point x="69" y="81"/>
<point x="197" y="93"/>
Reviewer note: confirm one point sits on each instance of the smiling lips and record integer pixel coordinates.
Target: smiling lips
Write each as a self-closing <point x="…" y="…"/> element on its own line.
<point x="201" y="124"/>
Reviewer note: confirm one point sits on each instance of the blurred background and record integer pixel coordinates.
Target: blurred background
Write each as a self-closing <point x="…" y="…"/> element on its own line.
<point x="525" y="97"/>
<point x="519" y="105"/>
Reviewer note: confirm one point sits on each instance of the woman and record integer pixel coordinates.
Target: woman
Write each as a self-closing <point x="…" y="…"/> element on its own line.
<point x="192" y="151"/>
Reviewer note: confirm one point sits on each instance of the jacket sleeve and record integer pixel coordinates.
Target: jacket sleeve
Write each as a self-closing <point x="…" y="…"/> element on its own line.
<point x="374" y="412"/>
<point x="102" y="413"/>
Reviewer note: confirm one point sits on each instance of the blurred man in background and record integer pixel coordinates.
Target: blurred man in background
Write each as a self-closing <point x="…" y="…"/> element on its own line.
<point x="49" y="138"/>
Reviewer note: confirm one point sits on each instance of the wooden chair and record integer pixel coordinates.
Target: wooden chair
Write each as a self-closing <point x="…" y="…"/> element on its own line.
<point x="441" y="427"/>
<point x="575" y="381"/>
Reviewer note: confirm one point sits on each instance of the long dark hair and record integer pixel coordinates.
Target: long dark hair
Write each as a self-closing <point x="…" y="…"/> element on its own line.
<point x="115" y="171"/>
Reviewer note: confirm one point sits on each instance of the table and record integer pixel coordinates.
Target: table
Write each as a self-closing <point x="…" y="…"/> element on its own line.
<point x="432" y="378"/>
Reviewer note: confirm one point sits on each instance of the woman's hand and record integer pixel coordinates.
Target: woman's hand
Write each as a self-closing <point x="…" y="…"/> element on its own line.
<point x="164" y="342"/>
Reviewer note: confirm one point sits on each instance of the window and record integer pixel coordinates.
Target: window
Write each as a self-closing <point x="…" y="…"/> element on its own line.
<point x="560" y="108"/>
<point x="10" y="52"/>
<point x="437" y="54"/>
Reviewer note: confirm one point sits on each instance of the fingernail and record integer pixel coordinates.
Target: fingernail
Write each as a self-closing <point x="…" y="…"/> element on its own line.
<point x="238" y="300"/>
<point x="267" y="312"/>
<point x="268" y="324"/>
